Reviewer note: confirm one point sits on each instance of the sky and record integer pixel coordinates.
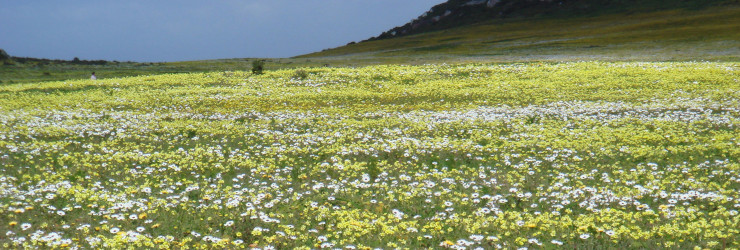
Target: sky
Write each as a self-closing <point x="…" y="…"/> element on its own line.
<point x="182" y="30"/>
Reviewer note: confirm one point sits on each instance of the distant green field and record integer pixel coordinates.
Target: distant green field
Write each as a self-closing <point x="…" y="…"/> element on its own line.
<point x="584" y="155"/>
<point x="39" y="72"/>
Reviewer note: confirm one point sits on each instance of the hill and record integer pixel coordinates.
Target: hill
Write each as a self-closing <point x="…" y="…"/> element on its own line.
<point x="707" y="32"/>
<point x="455" y="13"/>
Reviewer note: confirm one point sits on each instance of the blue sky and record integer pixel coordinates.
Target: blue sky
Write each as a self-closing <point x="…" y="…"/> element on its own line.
<point x="159" y="30"/>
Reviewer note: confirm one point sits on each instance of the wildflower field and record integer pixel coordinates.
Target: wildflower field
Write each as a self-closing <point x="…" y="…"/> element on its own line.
<point x="588" y="155"/>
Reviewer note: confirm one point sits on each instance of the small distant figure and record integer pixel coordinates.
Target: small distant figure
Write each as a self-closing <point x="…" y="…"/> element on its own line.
<point x="93" y="77"/>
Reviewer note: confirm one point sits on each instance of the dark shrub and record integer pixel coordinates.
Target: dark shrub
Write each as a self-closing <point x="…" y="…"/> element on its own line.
<point x="300" y="74"/>
<point x="258" y="67"/>
<point x="4" y="55"/>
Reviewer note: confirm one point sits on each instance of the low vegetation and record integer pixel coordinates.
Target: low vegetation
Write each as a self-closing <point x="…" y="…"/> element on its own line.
<point x="542" y="155"/>
<point x="32" y="70"/>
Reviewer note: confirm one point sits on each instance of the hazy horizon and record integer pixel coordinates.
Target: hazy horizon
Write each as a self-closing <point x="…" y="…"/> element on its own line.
<point x="158" y="31"/>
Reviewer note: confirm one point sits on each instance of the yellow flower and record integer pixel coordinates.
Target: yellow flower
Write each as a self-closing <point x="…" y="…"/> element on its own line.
<point x="13" y="223"/>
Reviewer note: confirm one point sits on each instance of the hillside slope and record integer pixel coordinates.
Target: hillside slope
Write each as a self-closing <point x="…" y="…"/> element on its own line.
<point x="455" y="13"/>
<point x="679" y="34"/>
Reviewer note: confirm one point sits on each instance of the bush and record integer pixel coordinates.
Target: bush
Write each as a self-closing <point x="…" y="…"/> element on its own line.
<point x="258" y="67"/>
<point x="300" y="74"/>
<point x="4" y="55"/>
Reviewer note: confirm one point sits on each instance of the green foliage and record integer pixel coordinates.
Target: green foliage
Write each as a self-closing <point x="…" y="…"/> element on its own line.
<point x="300" y="74"/>
<point x="4" y="55"/>
<point x="258" y="67"/>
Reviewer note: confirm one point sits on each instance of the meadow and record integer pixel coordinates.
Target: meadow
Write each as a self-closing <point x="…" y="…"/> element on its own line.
<point x="587" y="155"/>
